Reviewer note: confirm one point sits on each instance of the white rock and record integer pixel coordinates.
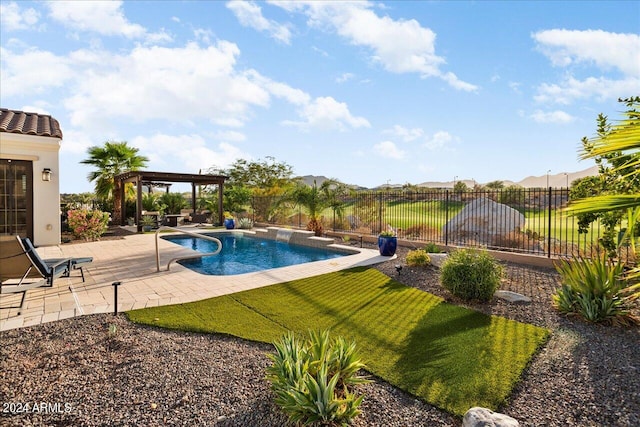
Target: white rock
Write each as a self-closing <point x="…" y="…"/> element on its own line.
<point x="482" y="220"/>
<point x="512" y="296"/>
<point x="483" y="417"/>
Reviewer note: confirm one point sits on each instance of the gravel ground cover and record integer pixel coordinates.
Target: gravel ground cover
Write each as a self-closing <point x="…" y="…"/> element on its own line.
<point x="105" y="371"/>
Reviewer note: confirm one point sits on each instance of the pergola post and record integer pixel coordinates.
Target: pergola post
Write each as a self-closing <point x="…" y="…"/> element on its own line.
<point x="139" y="203"/>
<point x="193" y="198"/>
<point x="119" y="187"/>
<point x="220" y="207"/>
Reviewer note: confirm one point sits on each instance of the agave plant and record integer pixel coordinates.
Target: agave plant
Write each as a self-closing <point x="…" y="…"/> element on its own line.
<point x="245" y="224"/>
<point x="311" y="378"/>
<point x="595" y="290"/>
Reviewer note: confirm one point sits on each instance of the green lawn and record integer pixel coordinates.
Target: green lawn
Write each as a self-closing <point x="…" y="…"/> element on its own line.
<point x="451" y="357"/>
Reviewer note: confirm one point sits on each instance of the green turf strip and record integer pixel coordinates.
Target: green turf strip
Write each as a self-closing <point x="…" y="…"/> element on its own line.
<point x="450" y="356"/>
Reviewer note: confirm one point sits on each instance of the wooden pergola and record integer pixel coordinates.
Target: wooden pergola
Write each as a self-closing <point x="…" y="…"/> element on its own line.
<point x="141" y="178"/>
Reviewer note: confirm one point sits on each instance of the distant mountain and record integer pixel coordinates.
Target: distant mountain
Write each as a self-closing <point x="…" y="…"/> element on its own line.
<point x="556" y="180"/>
<point x="309" y="179"/>
<point x="319" y="179"/>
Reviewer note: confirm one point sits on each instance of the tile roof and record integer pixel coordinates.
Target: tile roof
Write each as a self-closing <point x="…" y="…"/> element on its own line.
<point x="14" y="121"/>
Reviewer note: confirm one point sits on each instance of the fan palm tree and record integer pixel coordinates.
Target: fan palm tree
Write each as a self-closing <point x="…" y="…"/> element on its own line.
<point x="110" y="160"/>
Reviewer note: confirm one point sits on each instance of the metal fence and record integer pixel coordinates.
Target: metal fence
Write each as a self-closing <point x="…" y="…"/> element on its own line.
<point x="530" y="221"/>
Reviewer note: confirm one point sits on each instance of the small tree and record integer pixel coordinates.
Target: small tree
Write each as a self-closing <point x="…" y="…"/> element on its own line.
<point x="495" y="185"/>
<point x="460" y="187"/>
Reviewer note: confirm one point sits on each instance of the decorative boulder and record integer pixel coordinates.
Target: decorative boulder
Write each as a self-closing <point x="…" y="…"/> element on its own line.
<point x="483" y="220"/>
<point x="483" y="417"/>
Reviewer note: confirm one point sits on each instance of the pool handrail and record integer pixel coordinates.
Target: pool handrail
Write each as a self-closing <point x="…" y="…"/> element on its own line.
<point x="190" y="233"/>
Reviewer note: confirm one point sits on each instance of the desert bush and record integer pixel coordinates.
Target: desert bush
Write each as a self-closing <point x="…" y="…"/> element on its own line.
<point x="418" y="257"/>
<point x="312" y="379"/>
<point x="471" y="274"/>
<point x="87" y="224"/>
<point x="595" y="290"/>
<point x="432" y="248"/>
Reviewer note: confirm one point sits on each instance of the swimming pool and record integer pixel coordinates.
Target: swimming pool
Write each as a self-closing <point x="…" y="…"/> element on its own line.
<point x="245" y="254"/>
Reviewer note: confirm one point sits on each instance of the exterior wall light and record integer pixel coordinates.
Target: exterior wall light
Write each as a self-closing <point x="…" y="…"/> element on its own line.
<point x="46" y="174"/>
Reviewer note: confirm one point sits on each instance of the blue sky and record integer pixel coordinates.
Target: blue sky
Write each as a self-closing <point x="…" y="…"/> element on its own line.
<point x="365" y="92"/>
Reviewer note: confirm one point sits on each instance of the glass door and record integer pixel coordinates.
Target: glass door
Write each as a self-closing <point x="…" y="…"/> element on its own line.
<point x="16" y="197"/>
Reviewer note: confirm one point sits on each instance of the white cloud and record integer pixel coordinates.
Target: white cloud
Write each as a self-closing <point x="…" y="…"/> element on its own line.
<point x="607" y="52"/>
<point x="407" y="135"/>
<point x="230" y="135"/>
<point x="102" y="17"/>
<point x="603" y="49"/>
<point x="76" y="141"/>
<point x="203" y="35"/>
<point x="361" y="26"/>
<point x="571" y="89"/>
<point x="13" y="18"/>
<point x="280" y="90"/>
<point x="515" y="87"/>
<point x="438" y="140"/>
<point x="250" y="15"/>
<point x="23" y="73"/>
<point x="179" y="85"/>
<point x="344" y="77"/>
<point x="325" y="113"/>
<point x="168" y="152"/>
<point x="388" y="150"/>
<point x="552" y="117"/>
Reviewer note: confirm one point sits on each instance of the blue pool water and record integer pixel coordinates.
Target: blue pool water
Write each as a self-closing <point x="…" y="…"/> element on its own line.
<point x="244" y="254"/>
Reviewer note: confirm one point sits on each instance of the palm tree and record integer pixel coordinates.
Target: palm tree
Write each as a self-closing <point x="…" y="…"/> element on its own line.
<point x="621" y="140"/>
<point x="110" y="160"/>
<point x="315" y="199"/>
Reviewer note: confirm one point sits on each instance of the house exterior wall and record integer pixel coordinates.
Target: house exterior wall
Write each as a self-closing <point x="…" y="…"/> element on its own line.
<point x="43" y="152"/>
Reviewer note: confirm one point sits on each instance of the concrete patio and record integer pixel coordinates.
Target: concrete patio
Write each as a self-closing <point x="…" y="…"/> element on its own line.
<point x="132" y="262"/>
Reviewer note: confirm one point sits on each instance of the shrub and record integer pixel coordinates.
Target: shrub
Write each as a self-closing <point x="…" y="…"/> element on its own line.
<point x="417" y="258"/>
<point x="245" y="223"/>
<point x="595" y="290"/>
<point x="432" y="248"/>
<point x="86" y="224"/>
<point x="471" y="274"/>
<point x="312" y="379"/>
<point x="172" y="202"/>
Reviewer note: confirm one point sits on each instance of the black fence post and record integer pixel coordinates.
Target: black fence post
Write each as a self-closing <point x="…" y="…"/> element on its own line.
<point x="549" y="225"/>
<point x="446" y="214"/>
<point x="380" y="212"/>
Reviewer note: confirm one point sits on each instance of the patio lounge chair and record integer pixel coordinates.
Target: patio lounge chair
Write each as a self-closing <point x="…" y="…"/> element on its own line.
<point x="199" y="219"/>
<point x="43" y="264"/>
<point x="19" y="273"/>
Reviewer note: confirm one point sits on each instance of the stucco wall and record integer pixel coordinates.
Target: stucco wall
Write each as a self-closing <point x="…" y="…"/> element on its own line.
<point x="43" y="152"/>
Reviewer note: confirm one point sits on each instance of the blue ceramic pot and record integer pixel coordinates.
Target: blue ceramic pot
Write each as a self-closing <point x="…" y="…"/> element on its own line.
<point x="229" y="223"/>
<point x="387" y="245"/>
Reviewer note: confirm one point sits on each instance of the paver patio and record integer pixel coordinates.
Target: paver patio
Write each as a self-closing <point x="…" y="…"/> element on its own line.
<point x="132" y="261"/>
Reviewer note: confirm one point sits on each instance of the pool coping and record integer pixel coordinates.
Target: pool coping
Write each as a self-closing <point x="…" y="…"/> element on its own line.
<point x="131" y="262"/>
